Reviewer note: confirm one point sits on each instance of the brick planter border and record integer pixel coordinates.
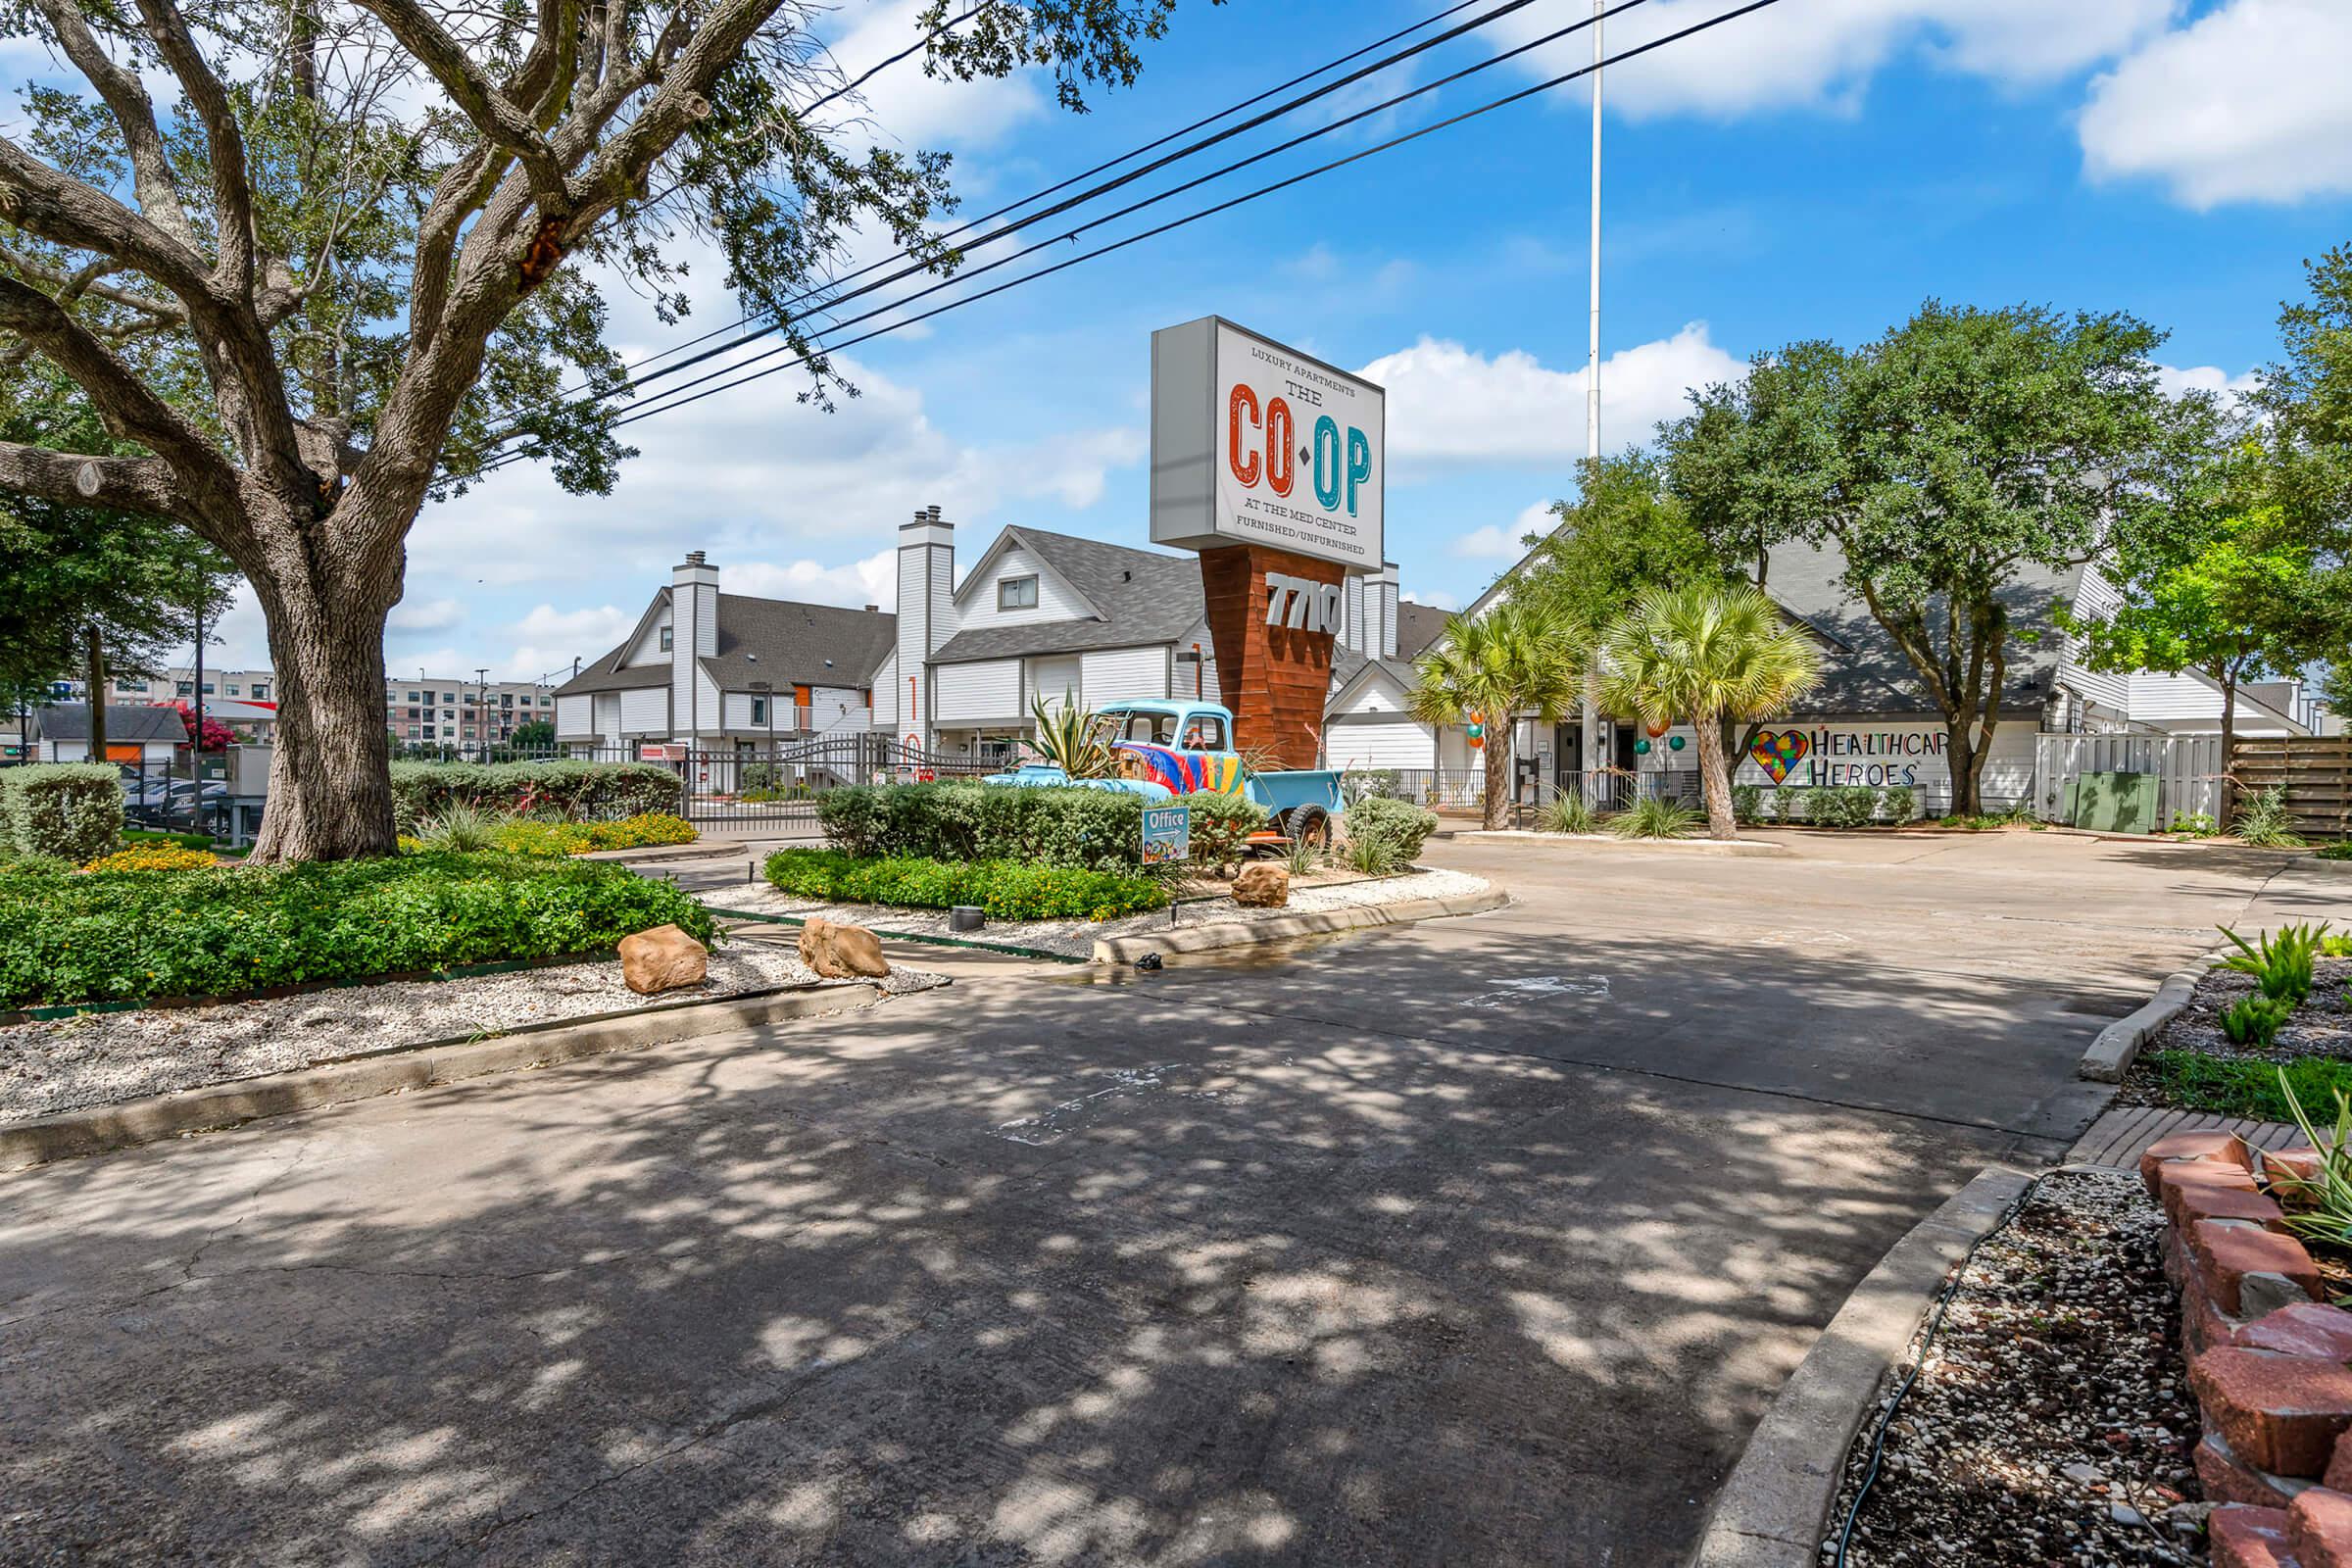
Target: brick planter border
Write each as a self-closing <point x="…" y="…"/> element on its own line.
<point x="2268" y="1360"/>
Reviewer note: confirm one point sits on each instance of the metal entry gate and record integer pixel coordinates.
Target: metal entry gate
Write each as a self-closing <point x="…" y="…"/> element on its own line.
<point x="772" y="789"/>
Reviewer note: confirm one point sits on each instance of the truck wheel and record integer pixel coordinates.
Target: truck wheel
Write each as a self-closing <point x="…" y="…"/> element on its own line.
<point x="1309" y="827"/>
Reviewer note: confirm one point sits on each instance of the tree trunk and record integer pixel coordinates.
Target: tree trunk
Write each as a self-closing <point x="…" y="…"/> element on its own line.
<point x="97" y="704"/>
<point x="2227" y="803"/>
<point x="330" y="796"/>
<point x="1715" y="781"/>
<point x="1960" y="761"/>
<point x="1499" y="771"/>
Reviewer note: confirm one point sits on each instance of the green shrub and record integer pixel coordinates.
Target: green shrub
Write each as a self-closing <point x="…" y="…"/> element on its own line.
<point x="1221" y="829"/>
<point x="581" y="792"/>
<point x="1899" y="804"/>
<point x="1845" y="805"/>
<point x="72" y="811"/>
<point x="1655" y="817"/>
<point x="2263" y="821"/>
<point x="237" y="929"/>
<point x="1792" y="802"/>
<point x="1399" y="827"/>
<point x="1099" y="830"/>
<point x="2282" y="966"/>
<point x="2193" y="824"/>
<point x="2341" y="850"/>
<point x="1005" y="889"/>
<point x="2254" y="1020"/>
<point x="1748" y="803"/>
<point x="1569" y="811"/>
<point x="525" y="836"/>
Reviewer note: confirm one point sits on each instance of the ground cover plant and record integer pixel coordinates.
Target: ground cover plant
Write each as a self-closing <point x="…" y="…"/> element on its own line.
<point x="2283" y="1000"/>
<point x="69" y="937"/>
<point x="1005" y="889"/>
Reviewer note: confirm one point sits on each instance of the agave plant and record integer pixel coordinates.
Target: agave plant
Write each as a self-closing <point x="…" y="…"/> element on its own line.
<point x="2322" y="1204"/>
<point x="1069" y="738"/>
<point x="1569" y="812"/>
<point x="2283" y="964"/>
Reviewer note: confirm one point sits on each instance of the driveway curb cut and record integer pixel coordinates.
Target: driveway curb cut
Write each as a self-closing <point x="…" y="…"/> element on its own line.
<point x="2116" y="1047"/>
<point x="1250" y="933"/>
<point x="1736" y="848"/>
<point x="129" y="1123"/>
<point x="1776" y="1503"/>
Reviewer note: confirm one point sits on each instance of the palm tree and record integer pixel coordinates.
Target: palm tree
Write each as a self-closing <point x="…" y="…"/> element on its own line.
<point x="1707" y="652"/>
<point x="1516" y="659"/>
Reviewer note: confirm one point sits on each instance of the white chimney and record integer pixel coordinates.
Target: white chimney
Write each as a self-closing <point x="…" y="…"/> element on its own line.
<point x="1356" y="627"/>
<point x="694" y="702"/>
<point x="926" y="617"/>
<point x="1381" y="611"/>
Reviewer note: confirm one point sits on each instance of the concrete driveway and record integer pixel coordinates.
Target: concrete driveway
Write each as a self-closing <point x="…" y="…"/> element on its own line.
<point x="1484" y="1242"/>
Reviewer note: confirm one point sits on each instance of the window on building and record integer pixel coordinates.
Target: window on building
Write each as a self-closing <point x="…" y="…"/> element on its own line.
<point x="185" y="688"/>
<point x="414" y="698"/>
<point x="428" y="732"/>
<point x="260" y="691"/>
<point x="208" y="688"/>
<point x="449" y="697"/>
<point x="665" y="641"/>
<point x="131" y="688"/>
<point x="1017" y="592"/>
<point x="412" y="732"/>
<point x="448" y="713"/>
<point x="759" y="711"/>
<point x="506" y="699"/>
<point x="233" y="690"/>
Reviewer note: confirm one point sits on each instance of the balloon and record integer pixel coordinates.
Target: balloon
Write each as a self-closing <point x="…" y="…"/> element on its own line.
<point x="1641" y="748"/>
<point x="1675" y="745"/>
<point x="1655" y="730"/>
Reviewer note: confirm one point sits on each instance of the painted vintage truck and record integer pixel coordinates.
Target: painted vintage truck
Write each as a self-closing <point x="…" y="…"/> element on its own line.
<point x="1166" y="750"/>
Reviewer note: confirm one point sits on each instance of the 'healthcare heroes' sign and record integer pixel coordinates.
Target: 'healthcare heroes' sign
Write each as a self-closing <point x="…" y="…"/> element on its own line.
<point x="1254" y="443"/>
<point x="1880" y="757"/>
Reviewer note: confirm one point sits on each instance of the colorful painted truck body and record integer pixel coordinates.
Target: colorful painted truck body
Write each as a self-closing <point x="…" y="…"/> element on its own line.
<point x="1168" y="750"/>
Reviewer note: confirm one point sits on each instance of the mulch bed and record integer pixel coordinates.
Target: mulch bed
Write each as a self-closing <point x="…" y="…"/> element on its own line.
<point x="2319" y="1026"/>
<point x="2052" y="1422"/>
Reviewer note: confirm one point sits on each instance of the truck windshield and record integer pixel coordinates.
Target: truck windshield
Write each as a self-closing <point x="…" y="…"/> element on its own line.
<point x="1158" y="728"/>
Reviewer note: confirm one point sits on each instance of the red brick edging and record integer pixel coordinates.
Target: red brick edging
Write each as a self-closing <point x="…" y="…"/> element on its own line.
<point x="2268" y="1360"/>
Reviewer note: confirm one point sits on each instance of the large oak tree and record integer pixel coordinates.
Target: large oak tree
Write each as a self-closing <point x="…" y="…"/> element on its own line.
<point x="342" y="271"/>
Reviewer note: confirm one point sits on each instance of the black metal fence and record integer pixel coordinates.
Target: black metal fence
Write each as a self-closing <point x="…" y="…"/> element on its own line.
<point x="161" y="796"/>
<point x="1464" y="789"/>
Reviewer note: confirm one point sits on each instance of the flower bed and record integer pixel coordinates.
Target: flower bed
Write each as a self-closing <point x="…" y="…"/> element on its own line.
<point x="2269" y="1359"/>
<point x="648" y="829"/>
<point x="67" y="938"/>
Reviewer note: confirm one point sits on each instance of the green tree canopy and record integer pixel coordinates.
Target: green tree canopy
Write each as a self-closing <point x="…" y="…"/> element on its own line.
<point x="1518" y="658"/>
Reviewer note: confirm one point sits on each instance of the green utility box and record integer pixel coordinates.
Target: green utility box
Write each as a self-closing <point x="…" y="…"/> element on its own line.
<point x="2113" y="803"/>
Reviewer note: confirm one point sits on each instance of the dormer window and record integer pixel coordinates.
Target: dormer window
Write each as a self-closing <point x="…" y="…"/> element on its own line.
<point x="665" y="639"/>
<point x="1017" y="592"/>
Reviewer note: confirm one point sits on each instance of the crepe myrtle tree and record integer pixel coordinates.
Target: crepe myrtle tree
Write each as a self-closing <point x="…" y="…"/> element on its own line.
<point x="342" y="271"/>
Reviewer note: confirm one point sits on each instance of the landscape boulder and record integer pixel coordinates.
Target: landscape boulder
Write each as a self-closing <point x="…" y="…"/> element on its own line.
<point x="841" y="951"/>
<point x="663" y="960"/>
<point x="1262" y="885"/>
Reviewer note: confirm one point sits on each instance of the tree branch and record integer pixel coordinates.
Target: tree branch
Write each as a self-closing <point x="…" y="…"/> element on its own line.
<point x="232" y="194"/>
<point x="129" y="409"/>
<point x="492" y="112"/>
<point x="126" y="484"/>
<point x="90" y="280"/>
<point x="64" y="211"/>
<point x="125" y="98"/>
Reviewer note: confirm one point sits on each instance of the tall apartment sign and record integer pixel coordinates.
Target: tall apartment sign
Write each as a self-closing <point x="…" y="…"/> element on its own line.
<point x="1254" y="443"/>
<point x="1303" y="603"/>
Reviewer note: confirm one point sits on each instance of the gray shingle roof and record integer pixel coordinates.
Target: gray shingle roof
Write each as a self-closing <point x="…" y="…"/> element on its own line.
<point x="792" y="642"/>
<point x="1417" y="626"/>
<point x="70" y="722"/>
<point x="1144" y="596"/>
<point x="1869" y="675"/>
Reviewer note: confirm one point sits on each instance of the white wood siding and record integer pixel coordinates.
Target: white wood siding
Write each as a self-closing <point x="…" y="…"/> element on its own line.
<point x="739" y="712"/>
<point x="607" y="719"/>
<point x="1055" y="680"/>
<point x="990" y="689"/>
<point x="647" y="650"/>
<point x="976" y="602"/>
<point x="1122" y="674"/>
<point x="2096" y="598"/>
<point x="888" y="695"/>
<point x="1384" y="741"/>
<point x="837" y="709"/>
<point x="576" y="718"/>
<point x="1376" y="695"/>
<point x="2156" y="698"/>
<point x="646" y="711"/>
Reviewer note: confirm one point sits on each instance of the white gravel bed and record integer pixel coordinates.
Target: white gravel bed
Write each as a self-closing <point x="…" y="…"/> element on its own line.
<point x="1076" y="938"/>
<point x="2052" y="1422"/>
<point x="94" y="1059"/>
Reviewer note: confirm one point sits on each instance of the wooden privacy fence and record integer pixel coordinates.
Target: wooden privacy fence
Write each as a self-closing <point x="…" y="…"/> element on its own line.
<point x="2315" y="771"/>
<point x="2187" y="768"/>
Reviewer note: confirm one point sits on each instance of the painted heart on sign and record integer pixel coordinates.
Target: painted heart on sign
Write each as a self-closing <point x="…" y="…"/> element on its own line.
<point x="1778" y="750"/>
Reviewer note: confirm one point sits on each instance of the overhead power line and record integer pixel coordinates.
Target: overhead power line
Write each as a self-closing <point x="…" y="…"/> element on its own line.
<point x="676" y="401"/>
<point x="1066" y="203"/>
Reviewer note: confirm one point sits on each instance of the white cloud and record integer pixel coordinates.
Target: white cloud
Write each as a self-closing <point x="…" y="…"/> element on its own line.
<point x="871" y="581"/>
<point x="903" y="106"/>
<point x="2247" y="103"/>
<point x="1450" y="405"/>
<point x="1490" y="543"/>
<point x="2206" y="378"/>
<point x="1823" y="54"/>
<point x="1436" y="599"/>
<point x="435" y="614"/>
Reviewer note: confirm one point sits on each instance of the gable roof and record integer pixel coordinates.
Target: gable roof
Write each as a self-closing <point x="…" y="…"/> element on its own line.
<point x="780" y="641"/>
<point x="1417" y="626"/>
<point x="1144" y="596"/>
<point x="70" y="722"/>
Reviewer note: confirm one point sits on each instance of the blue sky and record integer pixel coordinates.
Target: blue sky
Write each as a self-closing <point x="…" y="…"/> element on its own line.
<point x="1815" y="169"/>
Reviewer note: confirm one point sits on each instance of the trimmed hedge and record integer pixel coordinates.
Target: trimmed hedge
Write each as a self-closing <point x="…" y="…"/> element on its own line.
<point x="1096" y="830"/>
<point x="581" y="792"/>
<point x="1007" y="891"/>
<point x="72" y="810"/>
<point x="1399" y="827"/>
<point x="133" y="935"/>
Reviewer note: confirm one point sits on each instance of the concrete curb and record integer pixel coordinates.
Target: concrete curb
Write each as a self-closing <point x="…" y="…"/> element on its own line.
<point x="95" y="1129"/>
<point x="2118" y="1046"/>
<point x="1732" y="847"/>
<point x="1776" y="1503"/>
<point x="1282" y="928"/>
